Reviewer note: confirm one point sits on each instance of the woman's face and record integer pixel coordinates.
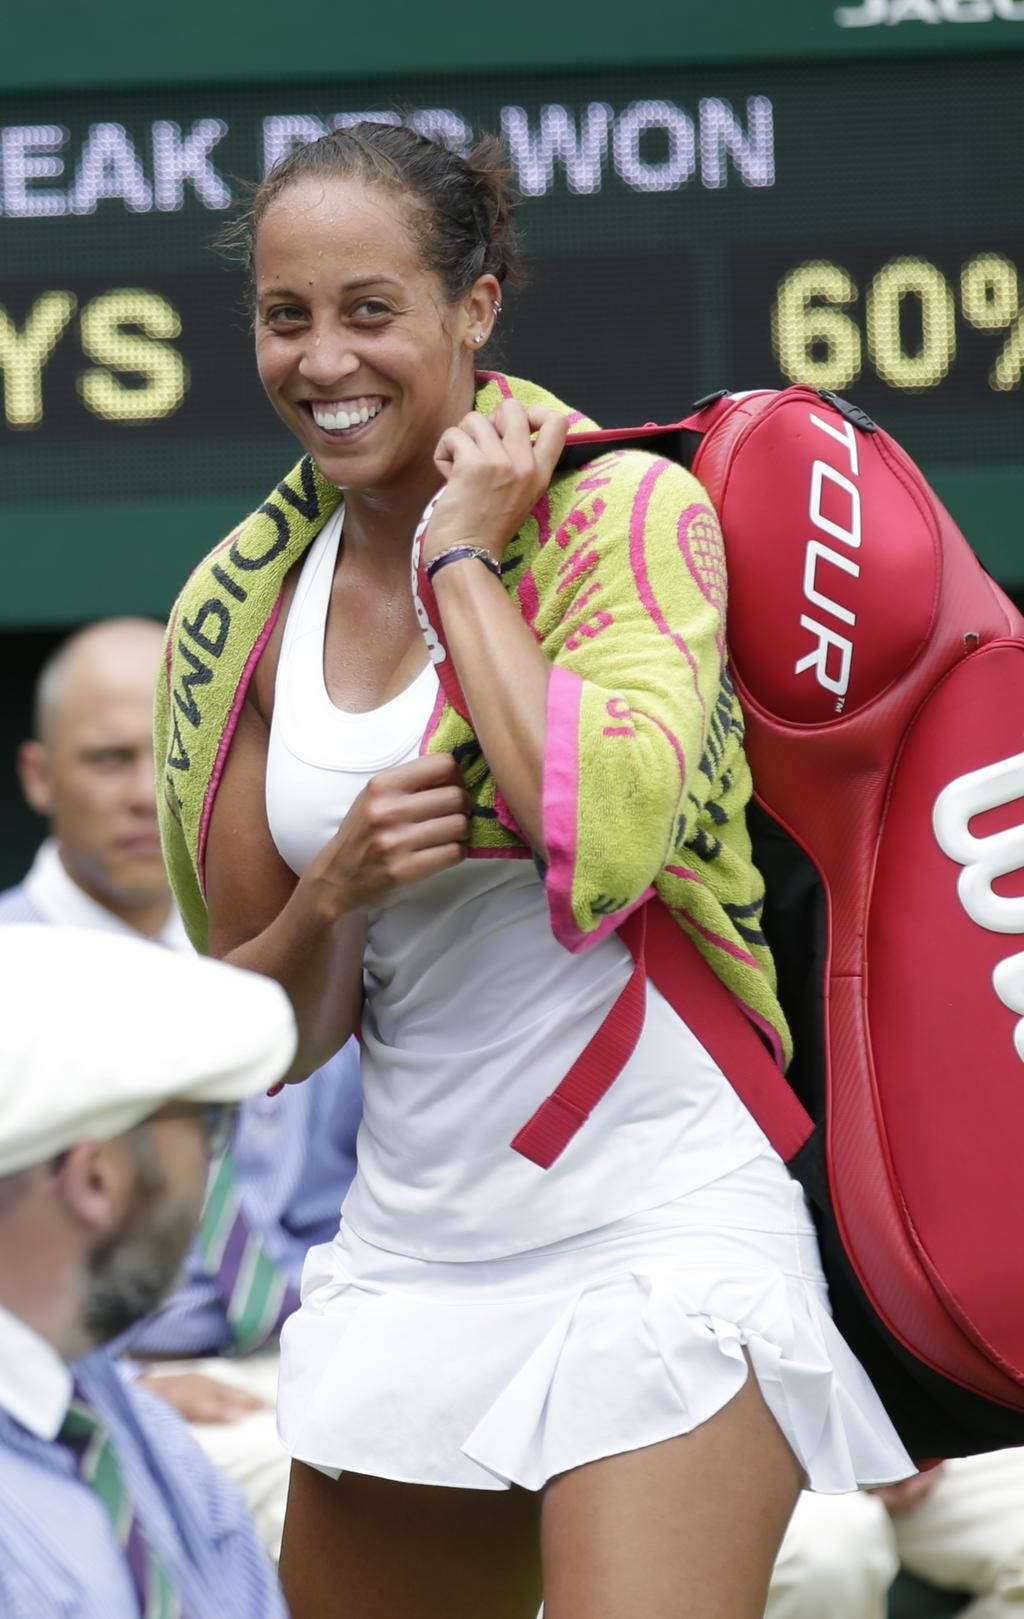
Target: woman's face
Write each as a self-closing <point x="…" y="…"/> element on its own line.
<point x="358" y="349"/>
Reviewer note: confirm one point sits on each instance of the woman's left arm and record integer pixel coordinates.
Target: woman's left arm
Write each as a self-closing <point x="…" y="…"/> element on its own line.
<point x="495" y="474"/>
<point x="618" y="738"/>
<point x="505" y="676"/>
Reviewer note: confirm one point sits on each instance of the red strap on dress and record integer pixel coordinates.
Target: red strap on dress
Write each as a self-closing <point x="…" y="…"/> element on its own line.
<point x="693" y="990"/>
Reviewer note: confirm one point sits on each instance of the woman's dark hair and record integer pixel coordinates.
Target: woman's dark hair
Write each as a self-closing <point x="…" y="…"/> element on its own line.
<point x="463" y="211"/>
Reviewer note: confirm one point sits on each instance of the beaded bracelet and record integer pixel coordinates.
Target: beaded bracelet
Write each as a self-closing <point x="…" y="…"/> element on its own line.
<point x="455" y="553"/>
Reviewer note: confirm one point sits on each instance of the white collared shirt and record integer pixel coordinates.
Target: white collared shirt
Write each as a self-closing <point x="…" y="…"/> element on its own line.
<point x="35" y="1382"/>
<point x="58" y="898"/>
<point x="59" y="1553"/>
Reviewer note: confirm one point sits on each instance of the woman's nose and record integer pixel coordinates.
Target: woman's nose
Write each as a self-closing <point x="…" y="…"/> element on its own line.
<point x="327" y="357"/>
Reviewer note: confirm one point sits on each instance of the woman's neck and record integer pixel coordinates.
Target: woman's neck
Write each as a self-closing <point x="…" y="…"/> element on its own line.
<point x="380" y="523"/>
<point x="379" y="526"/>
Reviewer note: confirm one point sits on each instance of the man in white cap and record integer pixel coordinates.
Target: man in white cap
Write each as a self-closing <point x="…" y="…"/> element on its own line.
<point x="212" y="1349"/>
<point x="120" y="1064"/>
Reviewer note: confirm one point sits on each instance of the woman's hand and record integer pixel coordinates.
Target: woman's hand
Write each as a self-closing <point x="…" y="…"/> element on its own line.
<point x="495" y="473"/>
<point x="407" y="823"/>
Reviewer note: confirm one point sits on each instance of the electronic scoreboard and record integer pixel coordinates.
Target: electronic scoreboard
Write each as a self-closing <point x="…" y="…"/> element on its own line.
<point x="855" y="225"/>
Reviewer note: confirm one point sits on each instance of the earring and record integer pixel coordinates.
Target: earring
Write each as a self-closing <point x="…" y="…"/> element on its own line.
<point x="479" y="337"/>
<point x="497" y="308"/>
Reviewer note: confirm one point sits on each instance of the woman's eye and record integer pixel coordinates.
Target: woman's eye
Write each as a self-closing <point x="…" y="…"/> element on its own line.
<point x="371" y="309"/>
<point x="285" y="315"/>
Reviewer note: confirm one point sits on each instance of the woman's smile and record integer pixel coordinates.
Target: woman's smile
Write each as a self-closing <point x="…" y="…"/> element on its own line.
<point x="344" y="419"/>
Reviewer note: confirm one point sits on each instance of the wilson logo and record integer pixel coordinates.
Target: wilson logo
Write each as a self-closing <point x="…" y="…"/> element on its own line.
<point x="984" y="859"/>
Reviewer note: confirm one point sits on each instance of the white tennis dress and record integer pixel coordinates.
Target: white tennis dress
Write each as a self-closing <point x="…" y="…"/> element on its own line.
<point x="479" y="1321"/>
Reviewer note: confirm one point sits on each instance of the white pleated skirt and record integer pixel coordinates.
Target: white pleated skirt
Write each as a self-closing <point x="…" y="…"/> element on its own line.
<point x="486" y="1373"/>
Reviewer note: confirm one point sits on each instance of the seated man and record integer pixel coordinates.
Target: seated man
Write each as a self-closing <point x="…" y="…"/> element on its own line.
<point x="118" y="1066"/>
<point x="959" y="1526"/>
<point x="212" y="1349"/>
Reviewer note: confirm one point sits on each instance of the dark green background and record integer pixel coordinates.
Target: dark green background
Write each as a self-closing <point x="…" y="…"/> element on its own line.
<point x="68" y="43"/>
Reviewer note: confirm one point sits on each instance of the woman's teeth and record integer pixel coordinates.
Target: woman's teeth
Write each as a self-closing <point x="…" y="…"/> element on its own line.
<point x="335" y="419"/>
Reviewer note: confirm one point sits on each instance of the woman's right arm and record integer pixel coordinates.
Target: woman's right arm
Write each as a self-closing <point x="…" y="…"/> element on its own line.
<point x="310" y="932"/>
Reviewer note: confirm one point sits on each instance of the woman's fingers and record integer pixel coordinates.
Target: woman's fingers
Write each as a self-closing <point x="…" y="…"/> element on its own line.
<point x="434" y="802"/>
<point x="551" y="428"/>
<point x="440" y="829"/>
<point x="425" y="771"/>
<point x="409" y="821"/>
<point x="532" y="437"/>
<point x="472" y="436"/>
<point x="496" y="468"/>
<point x="423" y="863"/>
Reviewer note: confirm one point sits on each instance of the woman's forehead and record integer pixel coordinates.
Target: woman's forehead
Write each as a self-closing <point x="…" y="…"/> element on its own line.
<point x="346" y="216"/>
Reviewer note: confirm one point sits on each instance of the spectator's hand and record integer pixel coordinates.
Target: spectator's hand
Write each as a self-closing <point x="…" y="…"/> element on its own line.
<point x="909" y="1492"/>
<point x="199" y="1398"/>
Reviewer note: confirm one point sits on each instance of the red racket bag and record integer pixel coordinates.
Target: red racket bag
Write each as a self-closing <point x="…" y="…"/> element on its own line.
<point x="881" y="672"/>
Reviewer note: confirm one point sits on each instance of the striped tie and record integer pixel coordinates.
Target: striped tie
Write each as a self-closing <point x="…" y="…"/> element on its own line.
<point x="257" y="1292"/>
<point x="86" y="1437"/>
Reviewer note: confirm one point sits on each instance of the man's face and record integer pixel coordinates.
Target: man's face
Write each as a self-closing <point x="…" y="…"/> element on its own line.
<point x="133" y="1268"/>
<point x="93" y="775"/>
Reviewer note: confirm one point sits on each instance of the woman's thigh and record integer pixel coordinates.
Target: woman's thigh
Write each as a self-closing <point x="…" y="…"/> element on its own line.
<point x="370" y="1548"/>
<point x="686" y="1529"/>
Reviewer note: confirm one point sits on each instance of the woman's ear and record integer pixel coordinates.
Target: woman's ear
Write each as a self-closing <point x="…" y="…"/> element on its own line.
<point x="481" y="308"/>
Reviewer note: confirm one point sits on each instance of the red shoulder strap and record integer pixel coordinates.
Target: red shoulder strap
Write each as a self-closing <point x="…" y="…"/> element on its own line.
<point x="556" y="1121"/>
<point x="660" y="948"/>
<point x="711" y="1011"/>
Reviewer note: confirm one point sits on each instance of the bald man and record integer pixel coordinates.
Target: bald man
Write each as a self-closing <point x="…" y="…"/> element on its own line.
<point x="89" y="770"/>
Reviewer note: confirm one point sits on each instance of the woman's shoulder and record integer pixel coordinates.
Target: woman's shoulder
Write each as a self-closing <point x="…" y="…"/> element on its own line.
<point x="620" y="466"/>
<point x="265" y="545"/>
<point x="618" y="473"/>
<point x="622" y="486"/>
<point x="229" y="597"/>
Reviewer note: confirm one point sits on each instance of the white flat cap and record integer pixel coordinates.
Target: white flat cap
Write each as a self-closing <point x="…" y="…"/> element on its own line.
<point x="98" y="1030"/>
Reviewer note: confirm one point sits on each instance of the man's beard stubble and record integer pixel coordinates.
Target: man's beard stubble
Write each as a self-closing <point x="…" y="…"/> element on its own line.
<point x="133" y="1269"/>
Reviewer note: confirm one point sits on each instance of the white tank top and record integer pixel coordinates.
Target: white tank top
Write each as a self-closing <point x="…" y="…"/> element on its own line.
<point x="474" y="1012"/>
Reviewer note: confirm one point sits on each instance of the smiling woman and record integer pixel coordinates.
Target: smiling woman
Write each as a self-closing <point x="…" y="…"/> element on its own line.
<point x="497" y="1365"/>
<point x="340" y="346"/>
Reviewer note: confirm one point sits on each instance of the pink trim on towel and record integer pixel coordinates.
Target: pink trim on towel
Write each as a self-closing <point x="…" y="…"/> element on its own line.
<point x="172" y="626"/>
<point x="607" y="925"/>
<point x="559" y="810"/>
<point x="560" y="800"/>
<point x="500" y="381"/>
<point x="638" y="562"/>
<point x="769" y="1031"/>
<point x="499" y="854"/>
<point x="227" y="737"/>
